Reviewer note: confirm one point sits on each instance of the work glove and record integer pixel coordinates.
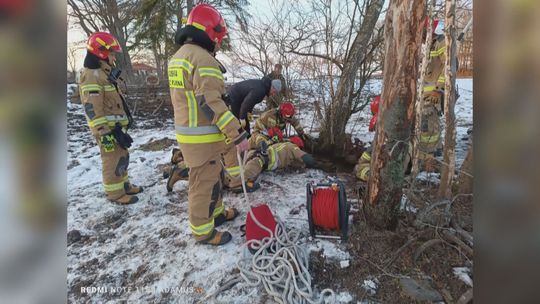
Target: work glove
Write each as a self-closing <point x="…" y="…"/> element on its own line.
<point x="123" y="139"/>
<point x="249" y="116"/>
<point x="108" y="142"/>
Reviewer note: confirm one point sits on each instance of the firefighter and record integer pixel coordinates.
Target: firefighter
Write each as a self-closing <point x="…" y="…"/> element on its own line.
<point x="108" y="116"/>
<point x="274" y="101"/>
<point x="432" y="93"/>
<point x="244" y="95"/>
<point x="364" y="162"/>
<point x="203" y="122"/>
<point x="279" y="118"/>
<point x="280" y="155"/>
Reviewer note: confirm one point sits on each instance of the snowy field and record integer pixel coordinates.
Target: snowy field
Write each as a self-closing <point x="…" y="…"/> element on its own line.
<point x="147" y="249"/>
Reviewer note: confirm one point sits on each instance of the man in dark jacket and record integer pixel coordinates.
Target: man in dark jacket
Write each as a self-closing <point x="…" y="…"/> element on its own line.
<point x="244" y="95"/>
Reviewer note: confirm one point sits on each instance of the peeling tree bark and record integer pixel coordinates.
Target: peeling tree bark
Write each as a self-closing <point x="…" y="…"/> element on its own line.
<point x="403" y="35"/>
<point x="447" y="172"/>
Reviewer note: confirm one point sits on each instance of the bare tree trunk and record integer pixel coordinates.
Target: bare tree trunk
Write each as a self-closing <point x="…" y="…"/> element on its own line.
<point x="115" y="28"/>
<point x="403" y="35"/>
<point x="465" y="177"/>
<point x="419" y="100"/>
<point x="337" y="114"/>
<point x="447" y="173"/>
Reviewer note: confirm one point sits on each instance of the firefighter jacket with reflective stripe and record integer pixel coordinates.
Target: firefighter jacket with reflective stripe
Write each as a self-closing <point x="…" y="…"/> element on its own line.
<point x="101" y="100"/>
<point x="272" y="118"/>
<point x="362" y="168"/>
<point x="434" y="78"/>
<point x="202" y="120"/>
<point x="283" y="155"/>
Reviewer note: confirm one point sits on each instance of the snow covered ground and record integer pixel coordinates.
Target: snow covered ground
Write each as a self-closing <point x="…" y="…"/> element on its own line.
<point x="144" y="252"/>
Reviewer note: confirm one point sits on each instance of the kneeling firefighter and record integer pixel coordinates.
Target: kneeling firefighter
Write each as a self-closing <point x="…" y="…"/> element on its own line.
<point x="108" y="116"/>
<point x="203" y="122"/>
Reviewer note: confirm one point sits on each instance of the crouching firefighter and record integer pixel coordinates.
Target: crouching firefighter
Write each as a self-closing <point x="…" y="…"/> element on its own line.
<point x="108" y="116"/>
<point x="276" y="118"/>
<point x="202" y="120"/>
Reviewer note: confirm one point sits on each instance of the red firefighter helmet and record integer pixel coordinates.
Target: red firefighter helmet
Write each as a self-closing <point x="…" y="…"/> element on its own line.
<point x="375" y="105"/>
<point x="275" y="132"/>
<point x="286" y="110"/>
<point x="297" y="141"/>
<point x="206" y="18"/>
<point x="102" y="44"/>
<point x="434" y="24"/>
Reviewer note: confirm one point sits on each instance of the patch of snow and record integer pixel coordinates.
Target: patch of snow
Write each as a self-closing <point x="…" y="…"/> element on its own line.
<point x="429" y="177"/>
<point x="148" y="246"/>
<point x="329" y="250"/>
<point x="464" y="274"/>
<point x="370" y="286"/>
<point x="343" y="297"/>
<point x="344" y="264"/>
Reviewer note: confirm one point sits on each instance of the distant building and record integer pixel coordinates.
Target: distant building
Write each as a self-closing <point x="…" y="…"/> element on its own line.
<point x="143" y="69"/>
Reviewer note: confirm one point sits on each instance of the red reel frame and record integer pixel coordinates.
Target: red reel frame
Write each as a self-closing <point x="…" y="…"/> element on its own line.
<point x="342" y="205"/>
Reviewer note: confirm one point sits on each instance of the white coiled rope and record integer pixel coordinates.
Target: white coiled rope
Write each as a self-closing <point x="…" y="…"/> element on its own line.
<point x="280" y="264"/>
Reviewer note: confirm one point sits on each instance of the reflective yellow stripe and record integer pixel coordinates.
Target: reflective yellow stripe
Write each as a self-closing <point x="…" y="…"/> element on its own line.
<point x="441" y="78"/>
<point x="281" y="147"/>
<point x="103" y="43"/>
<point x="123" y="122"/>
<point x="261" y="163"/>
<point x="233" y="171"/>
<point x="202" y="229"/>
<point x="219" y="210"/>
<point x="192" y="109"/>
<point x="224" y="120"/>
<point x="272" y="122"/>
<point x="91" y="87"/>
<point x="199" y="139"/>
<point x="438" y="52"/>
<point x="366" y="156"/>
<point x="126" y="179"/>
<point x="114" y="187"/>
<point x="429" y="139"/>
<point x="211" y="72"/>
<point x="364" y="174"/>
<point x="109" y="88"/>
<point x="199" y="26"/>
<point x="429" y="89"/>
<point x="97" y="122"/>
<point x="181" y="63"/>
<point x="272" y="159"/>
